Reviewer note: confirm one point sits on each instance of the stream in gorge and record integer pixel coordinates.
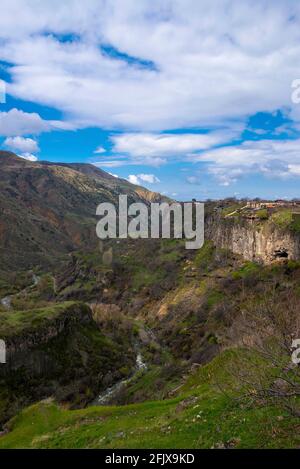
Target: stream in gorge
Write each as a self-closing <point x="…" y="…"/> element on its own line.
<point x="6" y="301"/>
<point x="105" y="397"/>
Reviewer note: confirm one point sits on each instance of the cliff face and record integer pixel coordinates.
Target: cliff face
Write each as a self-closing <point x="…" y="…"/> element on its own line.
<point x="255" y="241"/>
<point x="27" y="348"/>
<point x="58" y="351"/>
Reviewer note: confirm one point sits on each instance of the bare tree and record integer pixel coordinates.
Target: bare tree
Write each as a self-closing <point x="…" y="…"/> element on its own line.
<point x="264" y="371"/>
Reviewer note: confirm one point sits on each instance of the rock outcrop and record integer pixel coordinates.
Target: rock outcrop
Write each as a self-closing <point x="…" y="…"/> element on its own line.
<point x="58" y="352"/>
<point x="255" y="241"/>
<point x="27" y="348"/>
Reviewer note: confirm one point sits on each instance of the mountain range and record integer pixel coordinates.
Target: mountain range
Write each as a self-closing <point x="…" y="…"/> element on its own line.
<point x="48" y="209"/>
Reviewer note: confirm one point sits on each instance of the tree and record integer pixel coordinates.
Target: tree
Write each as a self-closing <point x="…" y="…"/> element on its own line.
<point x="266" y="370"/>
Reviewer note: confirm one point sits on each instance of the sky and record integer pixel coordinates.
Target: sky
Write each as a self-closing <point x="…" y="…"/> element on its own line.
<point x="194" y="99"/>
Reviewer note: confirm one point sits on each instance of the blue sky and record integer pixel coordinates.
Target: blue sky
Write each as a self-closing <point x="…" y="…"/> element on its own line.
<point x="191" y="99"/>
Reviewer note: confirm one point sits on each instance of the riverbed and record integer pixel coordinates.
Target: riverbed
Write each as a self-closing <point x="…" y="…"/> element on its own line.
<point x="105" y="397"/>
<point x="6" y="301"/>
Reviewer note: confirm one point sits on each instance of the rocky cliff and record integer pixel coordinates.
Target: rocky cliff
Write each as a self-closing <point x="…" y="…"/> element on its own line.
<point x="26" y="345"/>
<point x="58" y="351"/>
<point x="252" y="239"/>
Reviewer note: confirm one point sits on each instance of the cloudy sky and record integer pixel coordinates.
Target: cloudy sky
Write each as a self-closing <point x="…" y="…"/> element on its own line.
<point x="189" y="98"/>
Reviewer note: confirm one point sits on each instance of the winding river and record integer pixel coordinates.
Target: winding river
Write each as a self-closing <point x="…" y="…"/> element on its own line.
<point x="105" y="397"/>
<point x="6" y="301"/>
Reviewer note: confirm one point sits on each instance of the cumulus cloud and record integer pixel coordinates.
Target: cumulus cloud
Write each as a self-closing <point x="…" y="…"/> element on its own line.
<point x="208" y="62"/>
<point x="28" y="156"/>
<point x="16" y="122"/>
<point x="149" y="68"/>
<point x="25" y="145"/>
<point x="194" y="180"/>
<point x="155" y="149"/>
<point x="139" y="179"/>
<point x="272" y="158"/>
<point x="133" y="179"/>
<point x="156" y="145"/>
<point x="150" y="178"/>
<point x="100" y="150"/>
<point x="294" y="169"/>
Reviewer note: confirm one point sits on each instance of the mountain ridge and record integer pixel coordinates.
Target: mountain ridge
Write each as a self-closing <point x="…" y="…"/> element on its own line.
<point x="49" y="209"/>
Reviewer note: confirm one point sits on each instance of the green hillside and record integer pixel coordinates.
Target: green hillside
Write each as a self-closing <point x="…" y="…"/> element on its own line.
<point x="200" y="416"/>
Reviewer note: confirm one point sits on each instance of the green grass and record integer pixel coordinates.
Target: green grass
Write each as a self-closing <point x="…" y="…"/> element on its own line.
<point x="143" y="277"/>
<point x="213" y="298"/>
<point x="13" y="323"/>
<point x="262" y="214"/>
<point x="12" y="283"/>
<point x="81" y="355"/>
<point x="282" y="218"/>
<point x="201" y="416"/>
<point x="204" y="255"/>
<point x="248" y="269"/>
<point x="287" y="219"/>
<point x="295" y="225"/>
<point x="231" y="208"/>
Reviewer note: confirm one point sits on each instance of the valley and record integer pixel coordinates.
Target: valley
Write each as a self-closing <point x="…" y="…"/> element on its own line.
<point x="141" y="343"/>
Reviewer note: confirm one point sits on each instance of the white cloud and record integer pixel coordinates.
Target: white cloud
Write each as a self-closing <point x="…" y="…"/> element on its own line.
<point x="133" y="179"/>
<point x="28" y="156"/>
<point x="139" y="179"/>
<point x="271" y="158"/>
<point x="155" y="149"/>
<point x="2" y="92"/>
<point x="150" y="178"/>
<point x="294" y="169"/>
<point x="100" y="150"/>
<point x="110" y="163"/>
<point x="25" y="145"/>
<point x="213" y="61"/>
<point x="160" y="145"/>
<point x="211" y="66"/>
<point x="195" y="180"/>
<point x="16" y="122"/>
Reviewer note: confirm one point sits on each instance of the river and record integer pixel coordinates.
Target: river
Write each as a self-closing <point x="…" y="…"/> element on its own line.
<point x="6" y="301"/>
<point x="105" y="397"/>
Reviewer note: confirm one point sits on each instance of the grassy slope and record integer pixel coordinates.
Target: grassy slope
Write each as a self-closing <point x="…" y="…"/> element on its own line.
<point x="199" y="417"/>
<point x="71" y="365"/>
<point x="17" y="322"/>
<point x="287" y="219"/>
<point x="50" y="209"/>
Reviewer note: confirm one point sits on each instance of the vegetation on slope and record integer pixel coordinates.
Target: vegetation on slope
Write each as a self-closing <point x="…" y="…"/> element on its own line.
<point x="185" y="308"/>
<point x="50" y="209"/>
<point x="200" y="416"/>
<point x="59" y="351"/>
